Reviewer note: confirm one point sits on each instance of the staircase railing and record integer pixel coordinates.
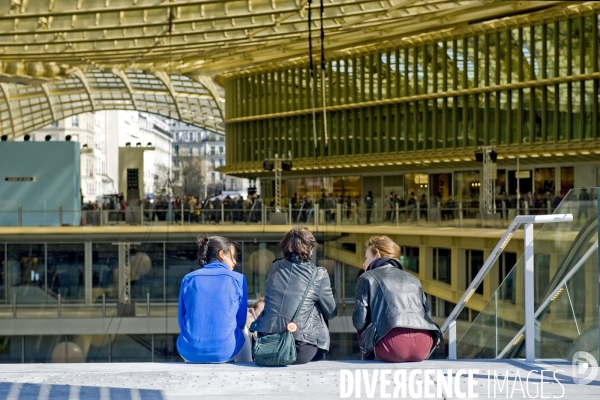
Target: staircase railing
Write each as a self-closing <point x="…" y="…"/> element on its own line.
<point x="449" y="325"/>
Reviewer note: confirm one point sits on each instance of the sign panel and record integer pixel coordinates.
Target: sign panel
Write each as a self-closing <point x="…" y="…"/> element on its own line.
<point x="523" y="174"/>
<point x="20" y="179"/>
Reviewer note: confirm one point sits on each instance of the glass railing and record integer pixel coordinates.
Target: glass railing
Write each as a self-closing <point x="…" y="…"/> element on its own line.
<point x="565" y="295"/>
<point x="459" y="214"/>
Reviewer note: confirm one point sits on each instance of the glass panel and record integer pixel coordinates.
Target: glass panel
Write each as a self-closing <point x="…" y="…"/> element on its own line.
<point x="147" y="271"/>
<point x="257" y="260"/>
<point x="576" y="109"/>
<point x="503" y="116"/>
<point x="526" y="115"/>
<point x="26" y="274"/>
<point x="105" y="275"/>
<point x="492" y="117"/>
<point x="65" y="265"/>
<point x="165" y="349"/>
<point x="504" y="56"/>
<point x="448" y="113"/>
<point x="3" y="297"/>
<point x="11" y="348"/>
<point x="47" y="348"/>
<point x="563" y="49"/>
<point x="480" y="128"/>
<point x="459" y="123"/>
<point x="449" y="66"/>
<point x="563" y="99"/>
<point x="132" y="348"/>
<point x="576" y="53"/>
<point x="409" y="258"/>
<point x="351" y="274"/>
<point x="429" y="123"/>
<point x="515" y="116"/>
<point x="442" y="259"/>
<point x="551" y="35"/>
<point x="410" y="127"/>
<point x="180" y="260"/>
<point x="569" y="322"/>
<point x="588" y="127"/>
<point x="588" y="44"/>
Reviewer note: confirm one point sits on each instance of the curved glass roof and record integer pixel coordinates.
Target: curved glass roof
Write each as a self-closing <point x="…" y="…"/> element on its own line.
<point x="59" y="58"/>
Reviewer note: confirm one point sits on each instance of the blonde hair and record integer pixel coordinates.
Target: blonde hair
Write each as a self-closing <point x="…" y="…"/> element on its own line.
<point x="384" y="246"/>
<point x="257" y="302"/>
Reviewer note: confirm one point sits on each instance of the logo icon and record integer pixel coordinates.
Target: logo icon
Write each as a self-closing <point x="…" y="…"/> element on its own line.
<point x="584" y="369"/>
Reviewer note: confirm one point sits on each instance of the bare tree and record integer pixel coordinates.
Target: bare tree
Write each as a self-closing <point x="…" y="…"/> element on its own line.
<point x="162" y="181"/>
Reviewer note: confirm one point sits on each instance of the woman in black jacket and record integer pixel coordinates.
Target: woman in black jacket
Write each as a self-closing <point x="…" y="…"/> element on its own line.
<point x="391" y="313"/>
<point x="286" y="282"/>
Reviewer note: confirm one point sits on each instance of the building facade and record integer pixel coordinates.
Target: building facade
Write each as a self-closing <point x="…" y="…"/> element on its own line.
<point x="408" y="115"/>
<point x="205" y="150"/>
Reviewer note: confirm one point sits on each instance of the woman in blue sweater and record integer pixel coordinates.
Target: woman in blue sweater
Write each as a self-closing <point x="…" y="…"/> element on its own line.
<point x="213" y="303"/>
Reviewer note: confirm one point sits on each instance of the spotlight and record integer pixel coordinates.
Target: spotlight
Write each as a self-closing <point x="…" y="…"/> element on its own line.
<point x="68" y="138"/>
<point x="286" y="165"/>
<point x="85" y="146"/>
<point x="479" y="156"/>
<point x="26" y="138"/>
<point x="128" y="144"/>
<point x="4" y="138"/>
<point x="48" y="138"/>
<point x="138" y="144"/>
<point x="149" y="144"/>
<point x="268" y="165"/>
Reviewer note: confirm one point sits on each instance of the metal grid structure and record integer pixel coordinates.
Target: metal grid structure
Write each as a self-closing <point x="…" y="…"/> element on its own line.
<point x="164" y="56"/>
<point x="527" y="84"/>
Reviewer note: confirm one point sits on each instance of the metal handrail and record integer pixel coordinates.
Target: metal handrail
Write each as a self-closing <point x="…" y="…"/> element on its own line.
<point x="450" y="323"/>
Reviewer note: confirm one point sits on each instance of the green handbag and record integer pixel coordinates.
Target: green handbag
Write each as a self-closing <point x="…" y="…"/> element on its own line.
<point x="279" y="349"/>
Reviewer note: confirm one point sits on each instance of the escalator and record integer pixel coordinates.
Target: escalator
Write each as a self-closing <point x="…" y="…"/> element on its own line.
<point x="566" y="296"/>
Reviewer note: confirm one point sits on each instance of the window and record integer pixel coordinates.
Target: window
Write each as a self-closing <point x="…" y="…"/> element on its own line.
<point x="506" y="262"/>
<point x="221" y="151"/>
<point x="410" y="258"/>
<point x="441" y="264"/>
<point x="75" y="121"/>
<point x="474" y="262"/>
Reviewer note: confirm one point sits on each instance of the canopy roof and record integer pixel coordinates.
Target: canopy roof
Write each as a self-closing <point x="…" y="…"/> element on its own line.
<point x="61" y="57"/>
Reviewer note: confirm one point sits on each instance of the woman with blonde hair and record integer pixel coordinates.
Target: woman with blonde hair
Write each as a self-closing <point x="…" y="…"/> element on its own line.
<point x="391" y="313"/>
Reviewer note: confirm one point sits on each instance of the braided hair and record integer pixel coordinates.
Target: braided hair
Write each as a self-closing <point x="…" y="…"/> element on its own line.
<point x="209" y="248"/>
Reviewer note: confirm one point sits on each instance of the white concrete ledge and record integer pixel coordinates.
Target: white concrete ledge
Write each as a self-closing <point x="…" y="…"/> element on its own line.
<point x="319" y="380"/>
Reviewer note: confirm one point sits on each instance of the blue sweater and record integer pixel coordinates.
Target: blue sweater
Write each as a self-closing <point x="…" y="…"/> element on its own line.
<point x="213" y="304"/>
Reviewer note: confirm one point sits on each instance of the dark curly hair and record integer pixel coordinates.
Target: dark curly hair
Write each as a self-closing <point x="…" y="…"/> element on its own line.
<point x="209" y="248"/>
<point x="298" y="241"/>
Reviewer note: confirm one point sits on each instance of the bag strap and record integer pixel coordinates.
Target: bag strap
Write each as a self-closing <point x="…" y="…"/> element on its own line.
<point x="312" y="279"/>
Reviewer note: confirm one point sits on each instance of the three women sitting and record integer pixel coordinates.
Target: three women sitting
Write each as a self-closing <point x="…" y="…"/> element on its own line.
<point x="391" y="312"/>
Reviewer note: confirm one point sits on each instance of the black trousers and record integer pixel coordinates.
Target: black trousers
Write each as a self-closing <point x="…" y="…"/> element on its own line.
<point x="304" y="352"/>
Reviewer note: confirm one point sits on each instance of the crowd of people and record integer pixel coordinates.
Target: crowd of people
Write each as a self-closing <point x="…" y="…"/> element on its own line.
<point x="393" y="209"/>
<point x="391" y="314"/>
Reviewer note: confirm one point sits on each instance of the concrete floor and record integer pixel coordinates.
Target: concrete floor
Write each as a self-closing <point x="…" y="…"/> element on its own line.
<point x="319" y="380"/>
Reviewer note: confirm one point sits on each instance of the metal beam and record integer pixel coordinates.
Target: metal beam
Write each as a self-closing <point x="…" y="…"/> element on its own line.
<point x="164" y="78"/>
<point x="6" y="94"/>
<point x="125" y="79"/>
<point x="86" y="85"/>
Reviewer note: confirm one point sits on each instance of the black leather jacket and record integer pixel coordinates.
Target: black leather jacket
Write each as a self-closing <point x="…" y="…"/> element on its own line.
<point x="390" y="297"/>
<point x="286" y="283"/>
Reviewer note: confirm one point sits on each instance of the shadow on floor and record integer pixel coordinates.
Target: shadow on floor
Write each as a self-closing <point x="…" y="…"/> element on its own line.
<point x="29" y="391"/>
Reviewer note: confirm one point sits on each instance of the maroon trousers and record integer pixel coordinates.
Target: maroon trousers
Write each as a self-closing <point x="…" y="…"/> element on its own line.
<point x="404" y="344"/>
